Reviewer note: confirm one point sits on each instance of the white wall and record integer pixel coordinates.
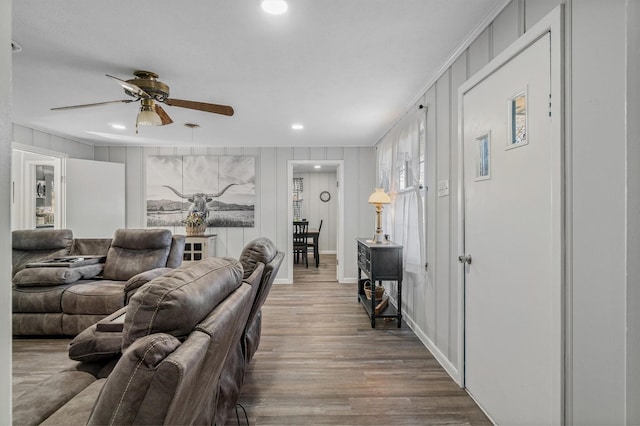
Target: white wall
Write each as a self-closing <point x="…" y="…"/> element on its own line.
<point x="271" y="193"/>
<point x="633" y="213"/>
<point x="432" y="307"/>
<point x="598" y="186"/>
<point x="5" y="211"/>
<point x="314" y="210"/>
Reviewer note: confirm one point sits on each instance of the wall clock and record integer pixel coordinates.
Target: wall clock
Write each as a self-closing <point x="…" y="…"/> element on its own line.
<point x="325" y="196"/>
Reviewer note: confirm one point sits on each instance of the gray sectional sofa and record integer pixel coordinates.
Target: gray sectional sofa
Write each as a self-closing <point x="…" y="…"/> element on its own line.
<point x="56" y="300"/>
<point x="178" y="356"/>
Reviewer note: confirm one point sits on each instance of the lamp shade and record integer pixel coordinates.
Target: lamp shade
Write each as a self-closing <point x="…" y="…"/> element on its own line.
<point x="379" y="197"/>
<point x="148" y="118"/>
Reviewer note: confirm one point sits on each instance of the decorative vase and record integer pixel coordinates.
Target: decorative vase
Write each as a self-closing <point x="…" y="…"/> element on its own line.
<point x="194" y="230"/>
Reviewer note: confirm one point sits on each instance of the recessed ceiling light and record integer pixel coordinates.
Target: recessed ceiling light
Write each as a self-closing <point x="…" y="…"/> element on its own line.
<point x="274" y="7"/>
<point x="317" y="166"/>
<point x="297" y="126"/>
<point x="118" y="126"/>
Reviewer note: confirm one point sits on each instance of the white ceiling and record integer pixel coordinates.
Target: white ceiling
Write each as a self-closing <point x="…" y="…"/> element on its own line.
<point x="346" y="69"/>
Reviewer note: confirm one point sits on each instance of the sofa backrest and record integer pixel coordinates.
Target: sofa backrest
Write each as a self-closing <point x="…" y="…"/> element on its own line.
<point x="176" y="253"/>
<point x="177" y="301"/>
<point x="34" y="245"/>
<point x="158" y="379"/>
<point x="136" y="250"/>
<point x="261" y="251"/>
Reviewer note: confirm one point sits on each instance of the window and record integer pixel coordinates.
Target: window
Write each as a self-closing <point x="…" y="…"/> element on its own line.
<point x="517" y="119"/>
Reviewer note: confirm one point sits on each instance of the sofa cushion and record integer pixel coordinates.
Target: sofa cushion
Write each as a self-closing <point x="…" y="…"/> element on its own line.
<point x="136" y="250"/>
<point x="33" y="245"/>
<point x="34" y="406"/>
<point x="100" y="297"/>
<point x="78" y="409"/>
<point x="42" y="277"/>
<point x="260" y="250"/>
<point x="38" y="299"/>
<point x="178" y="300"/>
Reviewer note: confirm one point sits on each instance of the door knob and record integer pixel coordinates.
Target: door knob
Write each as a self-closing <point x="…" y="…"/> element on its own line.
<point x="465" y="259"/>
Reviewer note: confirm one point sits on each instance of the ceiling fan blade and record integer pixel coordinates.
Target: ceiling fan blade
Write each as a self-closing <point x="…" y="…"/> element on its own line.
<point x="163" y="115"/>
<point x="200" y="106"/>
<point x="123" y="101"/>
<point x="132" y="88"/>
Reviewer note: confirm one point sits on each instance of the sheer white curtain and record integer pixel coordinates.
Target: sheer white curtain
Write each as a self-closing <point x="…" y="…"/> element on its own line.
<point x="400" y="158"/>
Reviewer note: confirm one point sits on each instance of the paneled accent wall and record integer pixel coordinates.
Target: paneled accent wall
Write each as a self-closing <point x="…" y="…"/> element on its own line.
<point x="271" y="193"/>
<point x="432" y="306"/>
<point x="271" y="188"/>
<point x="42" y="140"/>
<point x="598" y="291"/>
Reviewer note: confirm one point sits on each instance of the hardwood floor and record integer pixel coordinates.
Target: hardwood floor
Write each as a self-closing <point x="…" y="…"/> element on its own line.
<point x="319" y="362"/>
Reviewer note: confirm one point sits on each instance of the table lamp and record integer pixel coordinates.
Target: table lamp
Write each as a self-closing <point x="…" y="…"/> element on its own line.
<point x="379" y="198"/>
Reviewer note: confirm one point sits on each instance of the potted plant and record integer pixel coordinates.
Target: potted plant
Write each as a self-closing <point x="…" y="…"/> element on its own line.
<point x="195" y="224"/>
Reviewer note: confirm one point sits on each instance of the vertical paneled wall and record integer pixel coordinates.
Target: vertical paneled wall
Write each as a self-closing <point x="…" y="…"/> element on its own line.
<point x="272" y="196"/>
<point x="42" y="140"/>
<point x="432" y="307"/>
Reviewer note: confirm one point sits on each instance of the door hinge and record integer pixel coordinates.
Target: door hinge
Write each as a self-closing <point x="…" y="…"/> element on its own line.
<point x="549" y="104"/>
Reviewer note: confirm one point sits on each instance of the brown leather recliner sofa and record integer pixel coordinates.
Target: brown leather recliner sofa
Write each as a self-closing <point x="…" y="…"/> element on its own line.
<point x="179" y="358"/>
<point x="65" y="300"/>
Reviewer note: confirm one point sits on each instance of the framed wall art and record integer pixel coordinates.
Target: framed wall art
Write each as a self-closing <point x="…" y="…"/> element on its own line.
<point x="220" y="188"/>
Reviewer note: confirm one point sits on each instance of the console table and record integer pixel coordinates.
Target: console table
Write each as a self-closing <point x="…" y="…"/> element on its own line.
<point x="379" y="262"/>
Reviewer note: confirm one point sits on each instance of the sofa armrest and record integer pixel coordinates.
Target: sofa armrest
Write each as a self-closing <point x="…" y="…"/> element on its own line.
<point x="138" y="280"/>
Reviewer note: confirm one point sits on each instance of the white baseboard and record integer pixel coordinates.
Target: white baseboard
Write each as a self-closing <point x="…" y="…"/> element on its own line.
<point x="437" y="354"/>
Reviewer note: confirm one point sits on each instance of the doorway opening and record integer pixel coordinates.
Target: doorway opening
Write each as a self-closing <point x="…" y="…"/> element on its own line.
<point x="315" y="196"/>
<point x="36" y="189"/>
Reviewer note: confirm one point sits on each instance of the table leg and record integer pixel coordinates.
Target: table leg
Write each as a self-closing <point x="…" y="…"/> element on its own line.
<point x="399" y="304"/>
<point x="316" y="251"/>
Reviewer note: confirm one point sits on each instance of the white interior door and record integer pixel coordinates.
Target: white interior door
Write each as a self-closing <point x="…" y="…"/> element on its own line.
<point x="509" y="217"/>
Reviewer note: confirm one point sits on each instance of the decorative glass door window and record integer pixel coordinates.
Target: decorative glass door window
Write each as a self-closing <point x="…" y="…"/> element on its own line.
<point x="483" y="157"/>
<point x="517" y="119"/>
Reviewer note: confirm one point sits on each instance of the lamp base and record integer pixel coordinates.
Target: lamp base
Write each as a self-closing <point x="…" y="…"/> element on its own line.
<point x="378" y="237"/>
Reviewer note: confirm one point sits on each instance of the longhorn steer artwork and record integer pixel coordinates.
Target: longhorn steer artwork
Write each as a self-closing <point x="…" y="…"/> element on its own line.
<point x="200" y="200"/>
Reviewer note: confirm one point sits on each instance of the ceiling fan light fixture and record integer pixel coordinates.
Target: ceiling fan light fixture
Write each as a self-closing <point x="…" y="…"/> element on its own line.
<point x="148" y="115"/>
<point x="274" y="7"/>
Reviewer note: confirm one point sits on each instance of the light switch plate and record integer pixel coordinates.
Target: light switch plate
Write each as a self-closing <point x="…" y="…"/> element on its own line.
<point x="443" y="188"/>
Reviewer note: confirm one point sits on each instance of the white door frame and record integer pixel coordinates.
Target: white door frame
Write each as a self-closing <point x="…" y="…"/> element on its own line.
<point x="551" y="23"/>
<point x="339" y="164"/>
<point x="23" y="206"/>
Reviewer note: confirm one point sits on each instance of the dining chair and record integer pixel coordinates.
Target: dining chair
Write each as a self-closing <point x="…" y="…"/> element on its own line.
<point x="300" y="242"/>
<point x="310" y="244"/>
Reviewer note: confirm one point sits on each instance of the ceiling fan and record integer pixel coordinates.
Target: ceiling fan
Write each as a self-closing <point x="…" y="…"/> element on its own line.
<point x="147" y="89"/>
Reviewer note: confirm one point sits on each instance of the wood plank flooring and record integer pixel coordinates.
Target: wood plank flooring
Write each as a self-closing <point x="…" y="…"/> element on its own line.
<point x="319" y="363"/>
